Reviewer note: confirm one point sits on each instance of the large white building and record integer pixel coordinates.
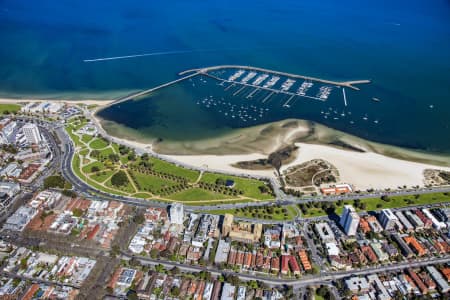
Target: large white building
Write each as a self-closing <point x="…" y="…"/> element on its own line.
<point x="349" y="220"/>
<point x="387" y="219"/>
<point x="32" y="134"/>
<point x="177" y="214"/>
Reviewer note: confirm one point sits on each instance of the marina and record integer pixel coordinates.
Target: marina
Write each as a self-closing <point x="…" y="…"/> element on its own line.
<point x="232" y="73"/>
<point x="266" y="94"/>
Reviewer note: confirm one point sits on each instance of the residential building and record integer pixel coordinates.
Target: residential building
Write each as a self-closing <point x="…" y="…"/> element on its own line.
<point x="228" y="292"/>
<point x="227" y="224"/>
<point x="246" y="232"/>
<point x="177" y="214"/>
<point x="407" y="226"/>
<point x="349" y="220"/>
<point x="325" y="233"/>
<point x="387" y="219"/>
<point x="437" y="276"/>
<point x="357" y="284"/>
<point x="32" y="134"/>
<point x="223" y="248"/>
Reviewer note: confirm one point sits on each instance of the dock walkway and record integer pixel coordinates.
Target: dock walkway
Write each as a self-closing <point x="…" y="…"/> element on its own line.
<point x="205" y="71"/>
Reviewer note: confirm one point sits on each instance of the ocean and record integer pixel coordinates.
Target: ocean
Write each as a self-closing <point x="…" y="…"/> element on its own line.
<point x="402" y="46"/>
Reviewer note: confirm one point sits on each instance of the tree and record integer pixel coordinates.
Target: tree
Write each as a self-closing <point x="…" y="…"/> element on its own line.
<point x="69" y="193"/>
<point x="175" y="291"/>
<point x="119" y="179"/>
<point x="95" y="169"/>
<point x="385" y="198"/>
<point x="114" y="157"/>
<point x="77" y="212"/>
<point x="154" y="253"/>
<point x="95" y="153"/>
<point x="55" y="181"/>
<point x="139" y="219"/>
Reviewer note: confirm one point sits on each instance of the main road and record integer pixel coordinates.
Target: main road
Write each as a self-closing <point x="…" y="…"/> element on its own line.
<point x="304" y="281"/>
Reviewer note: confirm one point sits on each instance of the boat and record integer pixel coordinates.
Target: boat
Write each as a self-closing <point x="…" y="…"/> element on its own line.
<point x="376" y="99"/>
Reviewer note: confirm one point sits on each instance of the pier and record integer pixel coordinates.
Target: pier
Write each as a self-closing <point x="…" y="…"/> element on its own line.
<point x="349" y="84"/>
<point x="270" y="77"/>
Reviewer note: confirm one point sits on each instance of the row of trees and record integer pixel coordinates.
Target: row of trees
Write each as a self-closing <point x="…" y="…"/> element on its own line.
<point x="163" y="191"/>
<point x="162" y="175"/>
<point x="220" y="189"/>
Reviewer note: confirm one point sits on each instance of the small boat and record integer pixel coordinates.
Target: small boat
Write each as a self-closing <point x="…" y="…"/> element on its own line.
<point x="376" y="99"/>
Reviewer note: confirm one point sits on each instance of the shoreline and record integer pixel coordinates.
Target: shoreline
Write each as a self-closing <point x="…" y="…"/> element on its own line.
<point x="71" y="101"/>
<point x="361" y="163"/>
<point x="267" y="138"/>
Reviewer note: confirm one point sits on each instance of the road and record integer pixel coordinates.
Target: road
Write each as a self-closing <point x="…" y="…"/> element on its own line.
<point x="39" y="280"/>
<point x="296" y="283"/>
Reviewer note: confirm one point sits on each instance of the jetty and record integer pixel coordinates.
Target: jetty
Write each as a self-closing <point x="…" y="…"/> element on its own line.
<point x="273" y="82"/>
<point x="205" y="71"/>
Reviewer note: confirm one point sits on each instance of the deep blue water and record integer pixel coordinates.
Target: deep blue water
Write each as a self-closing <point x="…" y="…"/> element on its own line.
<point x="403" y="46"/>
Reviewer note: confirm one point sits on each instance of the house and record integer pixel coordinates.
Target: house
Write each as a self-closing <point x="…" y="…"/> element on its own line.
<point x="417" y="247"/>
<point x="304" y="260"/>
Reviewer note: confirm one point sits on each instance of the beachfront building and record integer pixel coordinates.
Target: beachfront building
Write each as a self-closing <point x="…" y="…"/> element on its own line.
<point x="349" y="220"/>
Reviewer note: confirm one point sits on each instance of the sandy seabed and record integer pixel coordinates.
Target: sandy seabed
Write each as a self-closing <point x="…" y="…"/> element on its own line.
<point x="378" y="166"/>
<point x="362" y="163"/>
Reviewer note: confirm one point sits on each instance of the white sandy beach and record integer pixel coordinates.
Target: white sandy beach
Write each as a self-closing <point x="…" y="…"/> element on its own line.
<point x="363" y="170"/>
<point x="366" y="170"/>
<point x="88" y="102"/>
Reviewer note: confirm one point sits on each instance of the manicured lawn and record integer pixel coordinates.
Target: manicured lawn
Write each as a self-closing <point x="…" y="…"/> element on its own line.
<point x="74" y="137"/>
<point x="250" y="187"/>
<point x="162" y="166"/>
<point x="399" y="201"/>
<point x="102" y="175"/>
<point x="106" y="152"/>
<point x="86" y="138"/>
<point x="9" y="108"/>
<point x="124" y="159"/>
<point x="116" y="148"/>
<point x="152" y="183"/>
<point x="225" y="201"/>
<point x="84" y="152"/>
<point x="197" y="194"/>
<point x="98" y="143"/>
<point x="141" y="195"/>
<point x="76" y="166"/>
<point x="87" y="168"/>
<point x="125" y="188"/>
<point x="105" y="189"/>
<point x="318" y="297"/>
<point x="259" y="213"/>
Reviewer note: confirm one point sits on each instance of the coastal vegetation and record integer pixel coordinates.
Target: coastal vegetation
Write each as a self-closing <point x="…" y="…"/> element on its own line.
<point x="117" y="169"/>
